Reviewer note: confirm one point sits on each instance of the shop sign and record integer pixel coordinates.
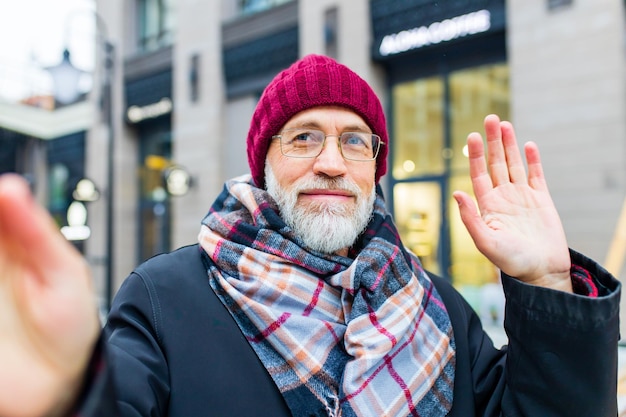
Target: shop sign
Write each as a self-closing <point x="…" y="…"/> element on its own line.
<point x="435" y="33"/>
<point x="137" y="114"/>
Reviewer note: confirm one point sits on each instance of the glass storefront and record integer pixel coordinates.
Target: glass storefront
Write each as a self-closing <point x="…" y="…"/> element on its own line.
<point x="154" y="203"/>
<point x="418" y="217"/>
<point x="431" y="120"/>
<point x="418" y="128"/>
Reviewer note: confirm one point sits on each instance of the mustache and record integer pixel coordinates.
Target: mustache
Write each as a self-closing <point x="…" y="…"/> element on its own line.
<point x="326" y="183"/>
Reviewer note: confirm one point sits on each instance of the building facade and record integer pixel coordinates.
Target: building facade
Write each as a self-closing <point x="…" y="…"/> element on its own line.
<point x="188" y="74"/>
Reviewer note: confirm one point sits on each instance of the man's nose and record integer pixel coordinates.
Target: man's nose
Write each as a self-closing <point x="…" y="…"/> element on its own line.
<point x="330" y="161"/>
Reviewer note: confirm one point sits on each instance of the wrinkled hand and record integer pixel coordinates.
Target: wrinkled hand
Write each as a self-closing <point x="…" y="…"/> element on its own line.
<point x="518" y="228"/>
<point x="48" y="316"/>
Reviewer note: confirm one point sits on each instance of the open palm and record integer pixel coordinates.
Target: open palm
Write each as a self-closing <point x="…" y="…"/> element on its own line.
<point x="516" y="226"/>
<point x="48" y="317"/>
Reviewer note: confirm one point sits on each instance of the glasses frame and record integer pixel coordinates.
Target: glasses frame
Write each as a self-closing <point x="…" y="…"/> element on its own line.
<point x="376" y="151"/>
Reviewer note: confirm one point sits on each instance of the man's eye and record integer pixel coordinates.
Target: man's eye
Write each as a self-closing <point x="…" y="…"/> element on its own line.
<point x="302" y="137"/>
<point x="354" y="139"/>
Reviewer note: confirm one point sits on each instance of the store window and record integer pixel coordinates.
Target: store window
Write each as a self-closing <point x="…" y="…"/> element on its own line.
<point x="419" y="219"/>
<point x="256" y="6"/>
<point x="65" y="162"/>
<point x="156" y="24"/>
<point x="154" y="203"/>
<point x="8" y="151"/>
<point x="418" y="128"/>
<point x="58" y="192"/>
<point x="331" y="26"/>
<point x="474" y="93"/>
<point x="431" y="120"/>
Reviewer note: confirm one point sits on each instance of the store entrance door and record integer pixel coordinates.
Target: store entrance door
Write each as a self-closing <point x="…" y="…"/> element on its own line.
<point x="432" y="117"/>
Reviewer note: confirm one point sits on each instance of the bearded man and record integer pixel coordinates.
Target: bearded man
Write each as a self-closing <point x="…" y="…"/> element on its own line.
<point x="300" y="298"/>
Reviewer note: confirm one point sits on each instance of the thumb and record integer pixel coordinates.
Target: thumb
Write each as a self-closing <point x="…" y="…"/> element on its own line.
<point x="469" y="215"/>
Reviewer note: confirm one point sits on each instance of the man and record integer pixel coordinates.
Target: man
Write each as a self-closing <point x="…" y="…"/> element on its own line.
<point x="300" y="298"/>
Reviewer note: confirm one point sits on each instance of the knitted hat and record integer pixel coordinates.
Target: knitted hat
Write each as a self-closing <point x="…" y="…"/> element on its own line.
<point x="312" y="81"/>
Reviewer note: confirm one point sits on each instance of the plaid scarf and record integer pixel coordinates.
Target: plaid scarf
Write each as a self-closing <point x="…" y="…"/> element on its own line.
<point x="367" y="336"/>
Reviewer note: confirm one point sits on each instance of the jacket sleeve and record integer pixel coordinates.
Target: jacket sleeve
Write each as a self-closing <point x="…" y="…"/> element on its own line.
<point x="128" y="374"/>
<point x="561" y="358"/>
<point x="97" y="398"/>
<point x="134" y="353"/>
<point x="562" y="354"/>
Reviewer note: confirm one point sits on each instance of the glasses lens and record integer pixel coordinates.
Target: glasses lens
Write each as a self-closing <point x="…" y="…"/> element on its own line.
<point x="301" y="143"/>
<point x="359" y="146"/>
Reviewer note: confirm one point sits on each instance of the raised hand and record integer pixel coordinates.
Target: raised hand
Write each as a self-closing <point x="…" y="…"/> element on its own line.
<point x="518" y="228"/>
<point x="48" y="314"/>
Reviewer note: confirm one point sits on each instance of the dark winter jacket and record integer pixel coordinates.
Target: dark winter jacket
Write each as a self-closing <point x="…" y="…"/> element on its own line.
<point x="170" y="348"/>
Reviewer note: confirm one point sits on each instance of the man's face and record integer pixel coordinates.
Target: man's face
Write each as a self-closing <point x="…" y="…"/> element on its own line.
<point x="327" y="200"/>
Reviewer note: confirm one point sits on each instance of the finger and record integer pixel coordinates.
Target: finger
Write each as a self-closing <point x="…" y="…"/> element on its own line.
<point x="479" y="174"/>
<point x="28" y="231"/>
<point x="536" y="178"/>
<point x="515" y="163"/>
<point x="495" y="150"/>
<point x="472" y="220"/>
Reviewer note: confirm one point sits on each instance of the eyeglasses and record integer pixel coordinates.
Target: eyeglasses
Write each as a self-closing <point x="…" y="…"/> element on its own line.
<point x="309" y="143"/>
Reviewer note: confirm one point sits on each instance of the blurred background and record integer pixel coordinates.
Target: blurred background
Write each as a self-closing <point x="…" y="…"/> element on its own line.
<point x="128" y="116"/>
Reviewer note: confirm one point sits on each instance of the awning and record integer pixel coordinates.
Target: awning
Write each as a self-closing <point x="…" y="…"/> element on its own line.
<point x="46" y="124"/>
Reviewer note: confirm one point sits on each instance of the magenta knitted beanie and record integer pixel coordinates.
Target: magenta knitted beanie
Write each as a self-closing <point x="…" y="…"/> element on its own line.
<point x="312" y="81"/>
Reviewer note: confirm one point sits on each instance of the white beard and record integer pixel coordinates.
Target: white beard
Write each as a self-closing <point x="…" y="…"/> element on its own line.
<point x="322" y="226"/>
